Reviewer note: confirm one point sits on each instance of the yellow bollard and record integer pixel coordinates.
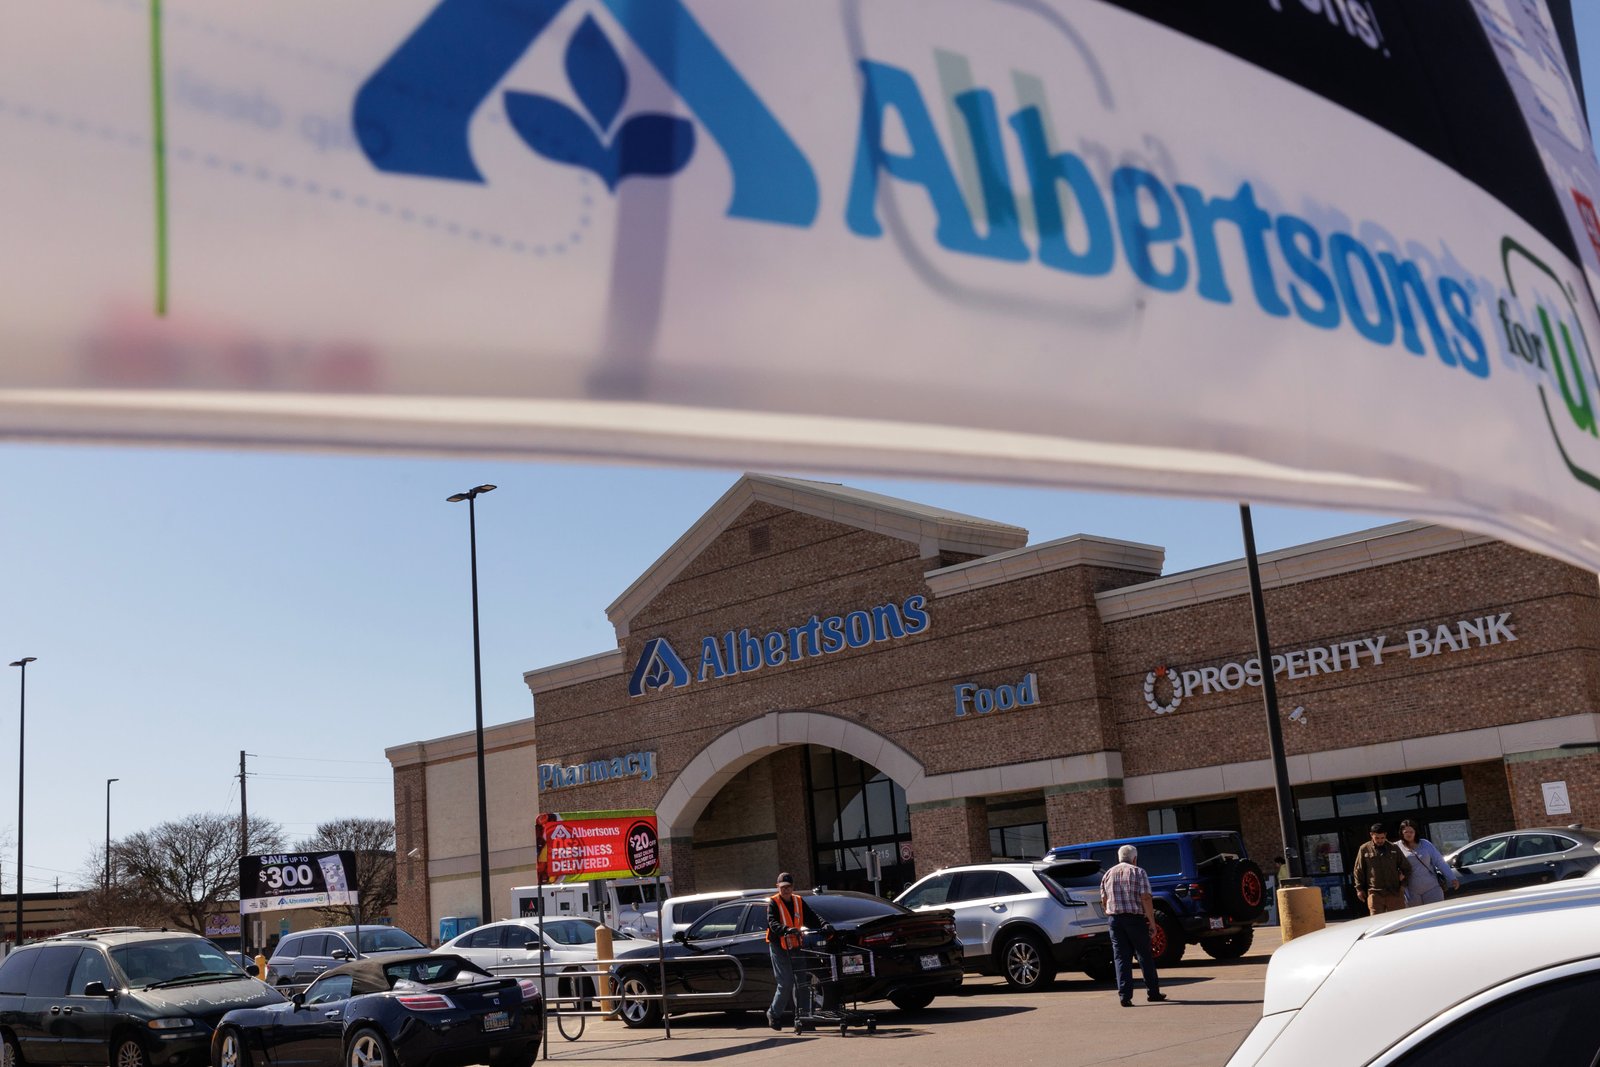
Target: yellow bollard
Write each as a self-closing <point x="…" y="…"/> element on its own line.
<point x="1299" y="911"/>
<point x="602" y="951"/>
<point x="261" y="966"/>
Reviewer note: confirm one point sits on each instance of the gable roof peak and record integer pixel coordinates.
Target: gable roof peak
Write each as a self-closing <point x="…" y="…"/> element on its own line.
<point x="934" y="530"/>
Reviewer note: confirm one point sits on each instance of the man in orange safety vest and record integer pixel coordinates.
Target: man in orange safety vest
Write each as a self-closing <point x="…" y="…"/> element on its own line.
<point x="785" y="918"/>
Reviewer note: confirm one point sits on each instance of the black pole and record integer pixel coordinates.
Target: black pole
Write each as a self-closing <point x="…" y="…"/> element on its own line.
<point x="22" y="763"/>
<point x="105" y="886"/>
<point x="1269" y="696"/>
<point x="486" y="913"/>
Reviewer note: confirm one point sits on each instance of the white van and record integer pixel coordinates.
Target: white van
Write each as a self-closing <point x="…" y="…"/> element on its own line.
<point x="626" y="904"/>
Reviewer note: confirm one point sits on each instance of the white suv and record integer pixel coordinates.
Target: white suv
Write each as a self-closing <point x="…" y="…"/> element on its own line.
<point x="1509" y="977"/>
<point x="1023" y="921"/>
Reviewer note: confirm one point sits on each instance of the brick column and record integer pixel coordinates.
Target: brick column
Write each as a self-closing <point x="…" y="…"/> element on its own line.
<point x="1096" y="813"/>
<point x="1527" y="772"/>
<point x="947" y="832"/>
<point x="412" y="898"/>
<point x="791" y="818"/>
<point x="677" y="862"/>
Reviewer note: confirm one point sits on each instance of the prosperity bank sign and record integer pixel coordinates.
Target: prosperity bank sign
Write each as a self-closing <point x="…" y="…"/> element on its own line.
<point x="737" y="652"/>
<point x="1167" y="687"/>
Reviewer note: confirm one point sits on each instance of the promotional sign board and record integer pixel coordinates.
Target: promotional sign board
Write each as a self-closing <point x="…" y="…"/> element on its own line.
<point x="296" y="880"/>
<point x="587" y="846"/>
<point x="1334" y="253"/>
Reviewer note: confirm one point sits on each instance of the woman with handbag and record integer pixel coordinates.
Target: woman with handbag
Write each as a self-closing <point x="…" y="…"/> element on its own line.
<point x="1428" y="869"/>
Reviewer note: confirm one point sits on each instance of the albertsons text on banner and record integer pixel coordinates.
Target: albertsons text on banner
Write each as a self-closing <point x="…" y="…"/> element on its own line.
<point x="588" y="846"/>
<point x="1292" y="250"/>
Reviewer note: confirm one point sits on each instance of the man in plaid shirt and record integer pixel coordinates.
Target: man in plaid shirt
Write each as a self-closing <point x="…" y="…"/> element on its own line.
<point x="1125" y="895"/>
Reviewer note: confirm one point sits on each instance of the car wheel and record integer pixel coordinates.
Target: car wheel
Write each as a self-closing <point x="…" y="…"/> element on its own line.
<point x="368" y="1048"/>
<point x="128" y="1051"/>
<point x="1231" y="947"/>
<point x="637" y="1013"/>
<point x="231" y="1051"/>
<point x="911" y="1000"/>
<point x="1025" y="963"/>
<point x="1167" y="941"/>
<point x="1241" y="890"/>
<point x="10" y="1055"/>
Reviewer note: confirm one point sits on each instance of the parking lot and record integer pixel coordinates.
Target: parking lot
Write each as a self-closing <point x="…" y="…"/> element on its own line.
<point x="1075" y="1024"/>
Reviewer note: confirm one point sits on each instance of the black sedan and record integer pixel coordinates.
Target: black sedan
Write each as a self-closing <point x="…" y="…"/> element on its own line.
<point x="414" y="1008"/>
<point x="878" y="949"/>
<point x="1525" y="857"/>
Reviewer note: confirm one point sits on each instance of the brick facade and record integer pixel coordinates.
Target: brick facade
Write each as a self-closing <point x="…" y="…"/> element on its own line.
<point x="1091" y="621"/>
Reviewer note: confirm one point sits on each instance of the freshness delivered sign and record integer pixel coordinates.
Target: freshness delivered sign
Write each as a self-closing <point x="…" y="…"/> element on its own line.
<point x="586" y="846"/>
<point x="297" y="880"/>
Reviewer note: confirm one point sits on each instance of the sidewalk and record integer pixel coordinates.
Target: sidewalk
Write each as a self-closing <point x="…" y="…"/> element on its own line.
<point x="1075" y="1024"/>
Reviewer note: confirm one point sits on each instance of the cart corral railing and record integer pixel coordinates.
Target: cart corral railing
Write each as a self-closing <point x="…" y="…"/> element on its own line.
<point x="571" y="999"/>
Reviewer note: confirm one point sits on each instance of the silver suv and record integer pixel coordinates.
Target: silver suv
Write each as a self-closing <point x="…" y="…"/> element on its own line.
<point x="1023" y="921"/>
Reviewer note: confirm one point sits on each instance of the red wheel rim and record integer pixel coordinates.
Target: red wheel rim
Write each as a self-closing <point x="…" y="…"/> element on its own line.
<point x="1250" y="889"/>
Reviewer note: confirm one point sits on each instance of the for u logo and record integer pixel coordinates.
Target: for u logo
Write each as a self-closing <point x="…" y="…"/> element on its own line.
<point x="412" y="115"/>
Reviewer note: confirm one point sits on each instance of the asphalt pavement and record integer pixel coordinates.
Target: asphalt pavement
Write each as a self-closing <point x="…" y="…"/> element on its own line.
<point x="1076" y="1023"/>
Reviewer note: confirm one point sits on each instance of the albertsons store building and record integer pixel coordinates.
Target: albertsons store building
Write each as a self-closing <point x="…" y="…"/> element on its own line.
<point x="813" y="671"/>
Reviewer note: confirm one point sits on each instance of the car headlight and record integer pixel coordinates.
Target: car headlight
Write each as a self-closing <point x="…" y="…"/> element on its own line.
<point x="178" y="1023"/>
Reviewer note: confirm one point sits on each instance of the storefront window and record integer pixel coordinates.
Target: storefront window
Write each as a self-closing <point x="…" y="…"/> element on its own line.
<point x="1205" y="815"/>
<point x="1314" y="802"/>
<point x="856" y="809"/>
<point x="1399" y="794"/>
<point x="1025" y="842"/>
<point x="1356" y="799"/>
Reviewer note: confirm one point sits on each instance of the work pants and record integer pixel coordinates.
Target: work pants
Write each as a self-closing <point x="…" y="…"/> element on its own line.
<point x="1382" y="900"/>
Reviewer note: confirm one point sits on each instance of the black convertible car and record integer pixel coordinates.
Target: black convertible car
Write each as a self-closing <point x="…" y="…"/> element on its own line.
<point x="879" y="949"/>
<point x="419" y="1009"/>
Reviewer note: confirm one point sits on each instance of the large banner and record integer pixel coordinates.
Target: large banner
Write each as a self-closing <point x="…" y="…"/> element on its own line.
<point x="1307" y="251"/>
<point x="587" y="846"/>
<point x="297" y="880"/>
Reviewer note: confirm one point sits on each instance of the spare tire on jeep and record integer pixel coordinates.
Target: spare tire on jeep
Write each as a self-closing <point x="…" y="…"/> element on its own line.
<point x="1240" y="890"/>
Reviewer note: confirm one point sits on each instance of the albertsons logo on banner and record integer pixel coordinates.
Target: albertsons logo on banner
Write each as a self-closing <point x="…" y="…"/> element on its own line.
<point x="1281" y="250"/>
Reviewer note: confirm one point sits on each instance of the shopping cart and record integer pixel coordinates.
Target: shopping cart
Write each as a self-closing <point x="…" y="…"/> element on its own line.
<point x="820" y="963"/>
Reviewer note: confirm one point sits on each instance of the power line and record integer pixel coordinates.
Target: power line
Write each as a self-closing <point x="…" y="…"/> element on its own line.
<point x="317" y="778"/>
<point x="318" y="759"/>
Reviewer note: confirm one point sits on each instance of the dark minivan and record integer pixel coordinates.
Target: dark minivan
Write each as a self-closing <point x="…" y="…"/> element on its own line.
<point x="124" y="997"/>
<point x="300" y="958"/>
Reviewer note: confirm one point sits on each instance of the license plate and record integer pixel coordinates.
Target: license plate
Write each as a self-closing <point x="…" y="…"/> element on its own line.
<point x="1216" y="924"/>
<point x="930" y="963"/>
<point x="853" y="964"/>
<point x="497" y="1020"/>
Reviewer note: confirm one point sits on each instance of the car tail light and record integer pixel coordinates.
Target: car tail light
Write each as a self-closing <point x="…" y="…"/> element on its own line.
<point x="530" y="990"/>
<point x="949" y="928"/>
<point x="1197" y="890"/>
<point x="879" y="940"/>
<point x="424" y="1002"/>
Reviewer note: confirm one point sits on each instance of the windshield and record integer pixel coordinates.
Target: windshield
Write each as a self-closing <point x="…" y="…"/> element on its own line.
<point x="146" y="964"/>
<point x="387" y="939"/>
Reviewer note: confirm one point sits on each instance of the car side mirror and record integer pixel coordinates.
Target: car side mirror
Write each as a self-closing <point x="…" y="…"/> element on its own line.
<point x="532" y="946"/>
<point x="681" y="937"/>
<point x="97" y="989"/>
<point x="299" y="1000"/>
<point x="252" y="970"/>
<point x="341" y="954"/>
<point x="1462" y="869"/>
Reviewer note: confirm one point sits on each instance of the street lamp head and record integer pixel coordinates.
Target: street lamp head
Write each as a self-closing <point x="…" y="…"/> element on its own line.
<point x="24" y="661"/>
<point x="485" y="489"/>
<point x="471" y="493"/>
<point x="110" y="780"/>
<point x="458" y="498"/>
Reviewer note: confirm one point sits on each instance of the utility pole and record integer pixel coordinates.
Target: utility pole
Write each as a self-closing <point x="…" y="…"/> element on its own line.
<point x="244" y="810"/>
<point x="244" y="847"/>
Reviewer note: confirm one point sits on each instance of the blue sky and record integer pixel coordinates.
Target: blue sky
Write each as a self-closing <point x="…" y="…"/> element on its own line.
<point x="314" y="609"/>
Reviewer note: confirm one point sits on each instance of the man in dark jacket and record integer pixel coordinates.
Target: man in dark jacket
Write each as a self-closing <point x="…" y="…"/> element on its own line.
<point x="785" y="918"/>
<point x="1380" y="873"/>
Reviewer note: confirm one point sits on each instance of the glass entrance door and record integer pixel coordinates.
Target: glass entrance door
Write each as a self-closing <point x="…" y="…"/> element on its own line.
<point x="856" y="808"/>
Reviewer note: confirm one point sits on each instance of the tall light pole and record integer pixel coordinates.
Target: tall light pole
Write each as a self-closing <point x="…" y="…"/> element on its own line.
<point x="471" y="496"/>
<point x="105" y="886"/>
<point x="22" y="763"/>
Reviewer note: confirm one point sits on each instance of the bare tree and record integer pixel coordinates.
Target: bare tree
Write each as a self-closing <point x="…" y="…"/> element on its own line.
<point x="372" y="840"/>
<point x="191" y="864"/>
<point x="121" y="901"/>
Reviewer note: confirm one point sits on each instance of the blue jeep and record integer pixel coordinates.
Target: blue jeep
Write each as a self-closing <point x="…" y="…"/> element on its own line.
<point x="1205" y="887"/>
